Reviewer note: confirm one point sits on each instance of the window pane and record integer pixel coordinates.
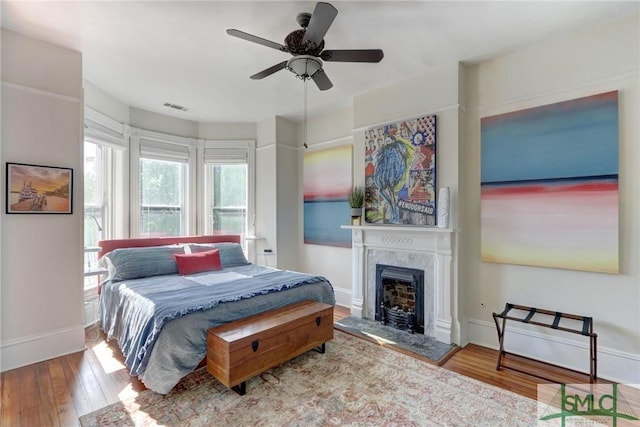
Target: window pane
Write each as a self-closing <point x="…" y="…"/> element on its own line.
<point x="230" y="185"/>
<point x="228" y="193"/>
<point x="162" y="198"/>
<point x="229" y="221"/>
<point x="159" y="221"/>
<point x="95" y="210"/>
<point x="94" y="181"/>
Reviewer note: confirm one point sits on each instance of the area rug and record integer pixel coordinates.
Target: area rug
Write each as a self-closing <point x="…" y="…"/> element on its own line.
<point x="419" y="344"/>
<point x="355" y="383"/>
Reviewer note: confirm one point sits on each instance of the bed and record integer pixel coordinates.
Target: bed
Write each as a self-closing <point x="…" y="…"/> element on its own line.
<point x="163" y="294"/>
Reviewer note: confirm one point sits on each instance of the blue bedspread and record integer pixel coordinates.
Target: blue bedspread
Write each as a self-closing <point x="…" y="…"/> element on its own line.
<point x="135" y="311"/>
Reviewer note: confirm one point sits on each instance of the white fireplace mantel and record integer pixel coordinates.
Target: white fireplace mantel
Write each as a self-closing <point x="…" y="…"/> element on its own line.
<point x="436" y="243"/>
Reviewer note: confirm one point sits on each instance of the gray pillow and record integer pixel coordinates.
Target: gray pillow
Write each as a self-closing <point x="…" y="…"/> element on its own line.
<point x="134" y="263"/>
<point x="231" y="254"/>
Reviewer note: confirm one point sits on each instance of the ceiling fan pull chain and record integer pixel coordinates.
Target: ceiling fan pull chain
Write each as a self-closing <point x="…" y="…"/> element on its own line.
<point x="305" y="113"/>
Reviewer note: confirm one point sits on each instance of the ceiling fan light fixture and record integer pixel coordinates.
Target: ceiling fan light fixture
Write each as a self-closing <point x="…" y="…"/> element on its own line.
<point x="306" y="45"/>
<point x="304" y="66"/>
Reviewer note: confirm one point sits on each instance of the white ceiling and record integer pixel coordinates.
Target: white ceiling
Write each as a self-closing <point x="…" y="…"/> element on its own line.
<point x="146" y="53"/>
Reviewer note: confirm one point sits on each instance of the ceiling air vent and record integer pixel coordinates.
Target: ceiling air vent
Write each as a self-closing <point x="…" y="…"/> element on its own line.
<point x="175" y="107"/>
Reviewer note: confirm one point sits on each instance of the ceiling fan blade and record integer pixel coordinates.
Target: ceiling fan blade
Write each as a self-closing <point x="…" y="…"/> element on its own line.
<point x="264" y="73"/>
<point x="356" y="55"/>
<point x="321" y="19"/>
<point x="321" y="80"/>
<point x="255" y="39"/>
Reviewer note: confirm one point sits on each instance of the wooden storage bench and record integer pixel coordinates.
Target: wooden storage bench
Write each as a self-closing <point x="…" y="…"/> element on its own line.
<point x="245" y="348"/>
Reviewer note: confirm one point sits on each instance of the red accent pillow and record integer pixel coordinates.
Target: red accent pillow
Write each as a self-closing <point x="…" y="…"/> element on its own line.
<point x="198" y="262"/>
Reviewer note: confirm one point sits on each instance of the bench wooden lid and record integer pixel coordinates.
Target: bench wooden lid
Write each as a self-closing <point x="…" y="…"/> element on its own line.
<point x="279" y="319"/>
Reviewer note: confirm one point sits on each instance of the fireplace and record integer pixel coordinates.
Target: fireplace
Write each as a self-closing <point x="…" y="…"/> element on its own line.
<point x="429" y="249"/>
<point x="400" y="297"/>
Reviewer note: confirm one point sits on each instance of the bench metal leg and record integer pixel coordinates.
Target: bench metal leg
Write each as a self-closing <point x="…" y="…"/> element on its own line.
<point x="241" y="388"/>
<point x="320" y="348"/>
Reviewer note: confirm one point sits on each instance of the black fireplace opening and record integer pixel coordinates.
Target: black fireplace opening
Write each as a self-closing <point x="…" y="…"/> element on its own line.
<point x="400" y="297"/>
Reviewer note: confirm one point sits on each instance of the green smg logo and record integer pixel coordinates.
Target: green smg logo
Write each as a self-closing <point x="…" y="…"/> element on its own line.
<point x="588" y="404"/>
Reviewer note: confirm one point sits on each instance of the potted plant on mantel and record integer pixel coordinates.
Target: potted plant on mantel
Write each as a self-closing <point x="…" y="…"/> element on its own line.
<point x="355" y="196"/>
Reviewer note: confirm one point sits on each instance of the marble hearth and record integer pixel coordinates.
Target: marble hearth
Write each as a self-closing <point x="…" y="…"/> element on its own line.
<point x="427" y="249"/>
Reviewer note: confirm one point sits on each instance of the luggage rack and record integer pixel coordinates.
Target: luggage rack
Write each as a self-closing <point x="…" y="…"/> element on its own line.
<point x="587" y="330"/>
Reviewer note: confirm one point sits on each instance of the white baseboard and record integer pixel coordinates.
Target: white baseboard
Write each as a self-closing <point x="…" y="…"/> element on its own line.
<point x="343" y="296"/>
<point x="558" y="348"/>
<point x="37" y="348"/>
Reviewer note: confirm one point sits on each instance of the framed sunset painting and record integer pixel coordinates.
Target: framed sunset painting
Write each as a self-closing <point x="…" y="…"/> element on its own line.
<point x="549" y="185"/>
<point x="34" y="189"/>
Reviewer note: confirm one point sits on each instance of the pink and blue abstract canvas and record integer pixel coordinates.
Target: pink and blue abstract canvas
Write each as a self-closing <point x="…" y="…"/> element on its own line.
<point x="327" y="180"/>
<point x="549" y="185"/>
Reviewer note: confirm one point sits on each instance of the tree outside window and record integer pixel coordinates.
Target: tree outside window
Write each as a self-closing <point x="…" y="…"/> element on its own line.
<point x="94" y="177"/>
<point x="161" y="198"/>
<point x="228" y="192"/>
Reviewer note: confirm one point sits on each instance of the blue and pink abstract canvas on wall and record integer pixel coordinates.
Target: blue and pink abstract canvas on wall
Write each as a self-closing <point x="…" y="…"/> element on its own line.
<point x="549" y="192"/>
<point x="327" y="180"/>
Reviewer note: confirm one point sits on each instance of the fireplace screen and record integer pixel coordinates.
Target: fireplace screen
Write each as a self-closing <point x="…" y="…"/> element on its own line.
<point x="400" y="297"/>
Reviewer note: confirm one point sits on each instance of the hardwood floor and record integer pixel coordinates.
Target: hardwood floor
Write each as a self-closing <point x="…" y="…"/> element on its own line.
<point x="56" y="392"/>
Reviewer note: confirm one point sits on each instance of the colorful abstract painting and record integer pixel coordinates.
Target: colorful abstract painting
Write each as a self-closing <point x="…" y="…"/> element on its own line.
<point x="327" y="180"/>
<point x="400" y="172"/>
<point x="549" y="192"/>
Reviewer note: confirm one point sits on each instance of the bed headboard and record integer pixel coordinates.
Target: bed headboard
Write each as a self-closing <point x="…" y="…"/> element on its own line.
<point x="107" y="246"/>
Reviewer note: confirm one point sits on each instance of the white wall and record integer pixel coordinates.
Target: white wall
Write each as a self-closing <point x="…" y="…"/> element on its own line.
<point x="41" y="255"/>
<point x="99" y="100"/>
<point x="433" y="92"/>
<point x="276" y="192"/>
<point x="330" y="130"/>
<point x="286" y="203"/>
<point x="266" y="226"/>
<point x="227" y="131"/>
<point x="592" y="61"/>
<point x="148" y="120"/>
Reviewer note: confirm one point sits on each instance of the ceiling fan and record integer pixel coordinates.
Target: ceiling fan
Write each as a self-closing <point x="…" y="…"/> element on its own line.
<point x="307" y="47"/>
